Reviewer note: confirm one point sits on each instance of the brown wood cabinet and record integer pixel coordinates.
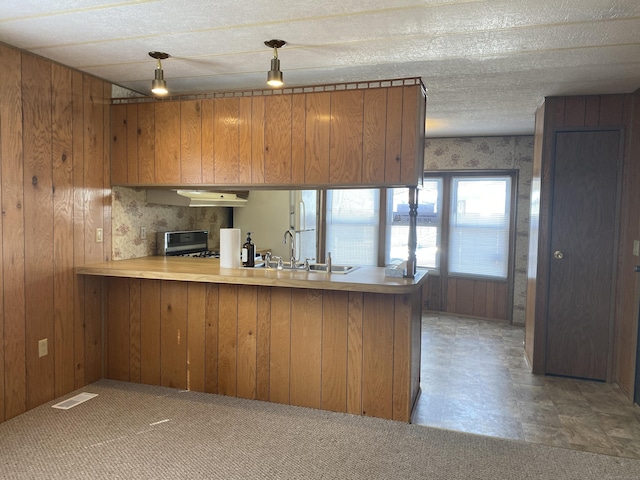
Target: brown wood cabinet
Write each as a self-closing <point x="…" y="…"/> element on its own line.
<point x="350" y="137"/>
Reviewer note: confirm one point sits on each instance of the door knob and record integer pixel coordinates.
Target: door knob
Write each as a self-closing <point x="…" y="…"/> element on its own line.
<point x="558" y="255"/>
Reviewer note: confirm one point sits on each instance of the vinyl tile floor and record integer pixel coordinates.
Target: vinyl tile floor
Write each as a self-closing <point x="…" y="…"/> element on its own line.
<point x="474" y="378"/>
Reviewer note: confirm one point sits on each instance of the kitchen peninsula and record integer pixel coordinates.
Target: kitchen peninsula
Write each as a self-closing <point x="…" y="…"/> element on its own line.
<point x="341" y="342"/>
<point x="347" y="343"/>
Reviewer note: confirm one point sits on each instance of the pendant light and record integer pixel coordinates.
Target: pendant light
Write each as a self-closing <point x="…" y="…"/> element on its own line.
<point x="274" y="76"/>
<point x="159" y="85"/>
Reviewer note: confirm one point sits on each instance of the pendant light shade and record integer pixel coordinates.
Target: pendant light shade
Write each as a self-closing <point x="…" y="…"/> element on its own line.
<point x="159" y="84"/>
<point x="274" y="76"/>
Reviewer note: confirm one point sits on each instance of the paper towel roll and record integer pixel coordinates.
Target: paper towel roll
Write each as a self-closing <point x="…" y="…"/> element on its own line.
<point x="230" y="247"/>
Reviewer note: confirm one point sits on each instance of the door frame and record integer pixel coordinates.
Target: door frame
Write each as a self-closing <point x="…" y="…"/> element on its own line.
<point x="636" y="388"/>
<point x="544" y="244"/>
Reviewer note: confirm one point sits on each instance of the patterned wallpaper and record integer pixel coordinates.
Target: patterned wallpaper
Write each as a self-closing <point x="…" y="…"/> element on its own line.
<point x="499" y="153"/>
<point x="130" y="212"/>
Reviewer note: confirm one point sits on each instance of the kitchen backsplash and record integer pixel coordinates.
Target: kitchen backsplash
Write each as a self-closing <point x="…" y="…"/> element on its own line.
<point x="130" y="212"/>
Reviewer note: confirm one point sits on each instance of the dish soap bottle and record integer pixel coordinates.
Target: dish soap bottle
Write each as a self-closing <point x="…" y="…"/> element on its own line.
<point x="248" y="252"/>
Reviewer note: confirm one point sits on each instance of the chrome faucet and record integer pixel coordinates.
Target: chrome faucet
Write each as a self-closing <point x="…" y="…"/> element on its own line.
<point x="293" y="246"/>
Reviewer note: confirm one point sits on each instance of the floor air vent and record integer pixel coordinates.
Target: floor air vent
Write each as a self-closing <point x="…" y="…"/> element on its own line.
<point x="73" y="401"/>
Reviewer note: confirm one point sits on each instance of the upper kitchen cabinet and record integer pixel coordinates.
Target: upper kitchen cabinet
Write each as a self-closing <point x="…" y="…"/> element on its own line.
<point x="168" y="154"/>
<point x="133" y="144"/>
<point x="345" y="150"/>
<point x="277" y="139"/>
<point x="156" y="143"/>
<point x="226" y="141"/>
<point x="326" y="136"/>
<point x="191" y="141"/>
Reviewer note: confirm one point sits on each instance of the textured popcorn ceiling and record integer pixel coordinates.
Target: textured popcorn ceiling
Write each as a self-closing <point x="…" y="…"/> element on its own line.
<point x="487" y="64"/>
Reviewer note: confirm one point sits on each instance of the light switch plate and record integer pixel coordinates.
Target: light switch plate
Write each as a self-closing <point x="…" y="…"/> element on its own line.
<point x="98" y="235"/>
<point x="143" y="233"/>
<point x="43" y="347"/>
<point x="636" y="248"/>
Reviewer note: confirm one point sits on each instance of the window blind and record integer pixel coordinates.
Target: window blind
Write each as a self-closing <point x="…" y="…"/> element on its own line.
<point x="479" y="226"/>
<point x="352" y="222"/>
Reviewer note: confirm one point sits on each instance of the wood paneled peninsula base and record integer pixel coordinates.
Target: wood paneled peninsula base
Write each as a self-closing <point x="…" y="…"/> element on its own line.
<point x="346" y="343"/>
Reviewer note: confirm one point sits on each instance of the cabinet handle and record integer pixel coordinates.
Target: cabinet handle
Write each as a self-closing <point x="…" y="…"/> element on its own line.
<point x="558" y="255"/>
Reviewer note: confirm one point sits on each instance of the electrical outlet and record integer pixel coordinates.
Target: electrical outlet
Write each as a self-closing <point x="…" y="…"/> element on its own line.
<point x="143" y="233"/>
<point x="636" y="248"/>
<point x="98" y="235"/>
<point x="43" y="347"/>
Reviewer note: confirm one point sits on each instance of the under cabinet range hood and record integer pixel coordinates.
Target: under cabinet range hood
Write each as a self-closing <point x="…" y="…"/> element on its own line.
<point x="195" y="198"/>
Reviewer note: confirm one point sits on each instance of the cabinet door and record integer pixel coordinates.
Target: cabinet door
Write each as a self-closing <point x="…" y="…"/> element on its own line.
<point x="146" y="150"/>
<point x="277" y="128"/>
<point x="393" y="153"/>
<point x="244" y="144"/>
<point x="583" y="230"/>
<point x="257" y="140"/>
<point x="191" y="141"/>
<point x="132" y="144"/>
<point x="345" y="154"/>
<point x="119" y="144"/>
<point x="317" y="133"/>
<point x="167" y="142"/>
<point x="298" y="141"/>
<point x="225" y="138"/>
<point x="374" y="135"/>
<point x="412" y="158"/>
<point x="208" y="112"/>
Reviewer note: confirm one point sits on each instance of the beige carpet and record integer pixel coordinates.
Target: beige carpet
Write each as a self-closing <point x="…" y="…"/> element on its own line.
<point x="137" y="431"/>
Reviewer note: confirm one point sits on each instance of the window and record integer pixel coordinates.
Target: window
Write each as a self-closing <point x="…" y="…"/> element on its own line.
<point x="463" y="225"/>
<point x="479" y="226"/>
<point x="428" y="224"/>
<point x="352" y="222"/>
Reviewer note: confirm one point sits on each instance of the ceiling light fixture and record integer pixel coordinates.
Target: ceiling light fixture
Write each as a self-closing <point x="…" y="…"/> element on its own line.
<point x="159" y="85"/>
<point x="274" y="76"/>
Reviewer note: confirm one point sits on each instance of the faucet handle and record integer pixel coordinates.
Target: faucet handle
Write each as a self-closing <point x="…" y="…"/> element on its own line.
<point x="306" y="263"/>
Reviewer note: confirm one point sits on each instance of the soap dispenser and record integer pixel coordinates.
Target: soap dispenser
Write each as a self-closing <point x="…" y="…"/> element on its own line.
<point x="248" y="252"/>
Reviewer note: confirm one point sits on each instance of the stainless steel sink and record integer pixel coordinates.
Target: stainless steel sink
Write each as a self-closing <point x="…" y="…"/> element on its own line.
<point x="313" y="267"/>
<point x="285" y="266"/>
<point x="322" y="267"/>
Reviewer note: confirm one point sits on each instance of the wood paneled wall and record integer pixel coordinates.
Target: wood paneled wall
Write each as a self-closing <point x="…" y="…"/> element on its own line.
<point x="55" y="191"/>
<point x="478" y="298"/>
<point x="467" y="296"/>
<point x="626" y="316"/>
<point x="342" y="351"/>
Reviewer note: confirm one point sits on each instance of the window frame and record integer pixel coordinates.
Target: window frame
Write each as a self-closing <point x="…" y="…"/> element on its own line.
<point x="454" y="196"/>
<point x="446" y="220"/>
<point x="446" y="177"/>
<point x="437" y="225"/>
